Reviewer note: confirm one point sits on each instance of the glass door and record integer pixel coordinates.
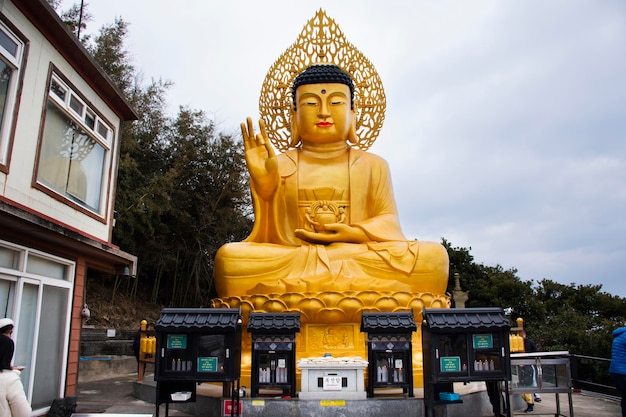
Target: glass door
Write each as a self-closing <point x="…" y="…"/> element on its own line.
<point x="51" y="351"/>
<point x="28" y="300"/>
<point x="36" y="291"/>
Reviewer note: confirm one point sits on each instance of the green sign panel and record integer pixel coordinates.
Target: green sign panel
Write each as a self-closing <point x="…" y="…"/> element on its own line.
<point x="482" y="341"/>
<point x="207" y="364"/>
<point x="450" y="364"/>
<point x="177" y="341"/>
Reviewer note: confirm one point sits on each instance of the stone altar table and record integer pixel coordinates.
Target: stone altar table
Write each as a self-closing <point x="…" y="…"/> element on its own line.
<point x="332" y="378"/>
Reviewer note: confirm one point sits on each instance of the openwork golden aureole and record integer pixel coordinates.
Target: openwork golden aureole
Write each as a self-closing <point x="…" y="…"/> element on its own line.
<point x="322" y="42"/>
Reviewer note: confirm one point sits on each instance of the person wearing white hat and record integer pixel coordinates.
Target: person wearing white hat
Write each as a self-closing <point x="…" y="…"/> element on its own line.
<point x="13" y="401"/>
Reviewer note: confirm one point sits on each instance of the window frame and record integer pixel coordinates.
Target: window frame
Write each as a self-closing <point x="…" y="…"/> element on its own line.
<point x="81" y="111"/>
<point x="17" y="62"/>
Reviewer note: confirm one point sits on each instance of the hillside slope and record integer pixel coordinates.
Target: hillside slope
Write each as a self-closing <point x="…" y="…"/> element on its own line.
<point x="119" y="310"/>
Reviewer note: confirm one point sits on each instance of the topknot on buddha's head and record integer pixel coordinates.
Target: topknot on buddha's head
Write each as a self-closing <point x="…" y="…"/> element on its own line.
<point x="323" y="73"/>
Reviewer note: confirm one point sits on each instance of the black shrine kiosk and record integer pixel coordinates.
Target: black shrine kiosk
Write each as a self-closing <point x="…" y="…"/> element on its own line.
<point x="389" y="350"/>
<point x="274" y="352"/>
<point x="462" y="345"/>
<point x="195" y="345"/>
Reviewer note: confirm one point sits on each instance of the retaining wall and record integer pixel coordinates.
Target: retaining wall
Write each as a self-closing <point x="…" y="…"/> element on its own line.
<point x="100" y="342"/>
<point x="106" y="355"/>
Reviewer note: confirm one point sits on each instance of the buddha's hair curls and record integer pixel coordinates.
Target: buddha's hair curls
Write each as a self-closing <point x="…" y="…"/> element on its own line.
<point x="325" y="73"/>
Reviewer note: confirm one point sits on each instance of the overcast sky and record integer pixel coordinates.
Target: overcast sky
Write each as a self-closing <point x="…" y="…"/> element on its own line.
<point x="505" y="120"/>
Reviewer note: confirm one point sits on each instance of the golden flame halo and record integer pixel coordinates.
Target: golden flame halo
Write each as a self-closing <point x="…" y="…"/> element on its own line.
<point x="322" y="42"/>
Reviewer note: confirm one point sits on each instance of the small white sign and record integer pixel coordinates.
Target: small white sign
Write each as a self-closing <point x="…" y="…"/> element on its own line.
<point x="110" y="332"/>
<point x="332" y="383"/>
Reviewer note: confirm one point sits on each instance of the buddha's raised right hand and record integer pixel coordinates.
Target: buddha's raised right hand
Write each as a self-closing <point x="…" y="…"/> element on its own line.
<point x="261" y="159"/>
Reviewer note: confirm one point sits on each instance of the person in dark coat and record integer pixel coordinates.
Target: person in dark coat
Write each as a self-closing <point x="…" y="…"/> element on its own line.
<point x="495" y="398"/>
<point x="527" y="374"/>
<point x="617" y="370"/>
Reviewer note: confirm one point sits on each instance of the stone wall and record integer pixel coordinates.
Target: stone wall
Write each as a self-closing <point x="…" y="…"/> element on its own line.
<point x="104" y="355"/>
<point x="96" y="342"/>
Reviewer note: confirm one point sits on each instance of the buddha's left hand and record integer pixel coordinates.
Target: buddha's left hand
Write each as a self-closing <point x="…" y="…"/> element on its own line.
<point x="335" y="232"/>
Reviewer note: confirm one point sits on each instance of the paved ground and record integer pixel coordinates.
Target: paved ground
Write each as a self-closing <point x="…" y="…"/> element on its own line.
<point x="114" y="396"/>
<point x="584" y="405"/>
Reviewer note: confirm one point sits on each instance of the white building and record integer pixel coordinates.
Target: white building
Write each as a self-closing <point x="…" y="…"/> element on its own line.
<point x="60" y="133"/>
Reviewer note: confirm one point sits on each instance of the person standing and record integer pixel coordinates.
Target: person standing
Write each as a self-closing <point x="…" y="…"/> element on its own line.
<point x="495" y="398"/>
<point x="13" y="401"/>
<point x="527" y="376"/>
<point x="617" y="369"/>
<point x="531" y="346"/>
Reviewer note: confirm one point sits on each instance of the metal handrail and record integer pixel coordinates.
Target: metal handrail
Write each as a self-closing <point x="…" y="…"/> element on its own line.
<point x="580" y="381"/>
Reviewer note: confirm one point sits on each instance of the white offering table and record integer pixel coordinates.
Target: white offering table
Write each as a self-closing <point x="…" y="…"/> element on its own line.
<point x="332" y="378"/>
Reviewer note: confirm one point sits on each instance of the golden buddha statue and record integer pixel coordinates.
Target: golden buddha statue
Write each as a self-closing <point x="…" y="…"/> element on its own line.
<point x="326" y="240"/>
<point x="325" y="214"/>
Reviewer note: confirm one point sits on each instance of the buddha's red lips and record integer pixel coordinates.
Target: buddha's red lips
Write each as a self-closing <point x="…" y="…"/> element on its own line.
<point x="324" y="124"/>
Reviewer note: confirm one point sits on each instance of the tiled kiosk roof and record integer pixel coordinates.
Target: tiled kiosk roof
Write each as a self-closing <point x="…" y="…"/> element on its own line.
<point x="199" y="319"/>
<point x="402" y="321"/>
<point x="463" y="319"/>
<point x="274" y="323"/>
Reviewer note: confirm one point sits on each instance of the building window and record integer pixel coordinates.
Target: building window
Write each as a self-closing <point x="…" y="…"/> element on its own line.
<point x="75" y="148"/>
<point x="11" y="52"/>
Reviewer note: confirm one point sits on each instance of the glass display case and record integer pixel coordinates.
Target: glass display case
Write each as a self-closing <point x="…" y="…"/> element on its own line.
<point x="192" y="346"/>
<point x="273" y="352"/>
<point x="470" y="356"/>
<point x="542" y="372"/>
<point x="197" y="356"/>
<point x="462" y="345"/>
<point x="389" y="350"/>
<point x="390" y="363"/>
<point x="274" y="364"/>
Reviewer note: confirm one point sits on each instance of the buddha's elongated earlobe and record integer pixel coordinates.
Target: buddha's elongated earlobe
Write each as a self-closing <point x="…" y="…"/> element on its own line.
<point x="295" y="139"/>
<point x="352" y="138"/>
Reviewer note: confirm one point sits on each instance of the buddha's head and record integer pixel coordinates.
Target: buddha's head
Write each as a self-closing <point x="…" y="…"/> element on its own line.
<point x="323" y="106"/>
<point x="323" y="73"/>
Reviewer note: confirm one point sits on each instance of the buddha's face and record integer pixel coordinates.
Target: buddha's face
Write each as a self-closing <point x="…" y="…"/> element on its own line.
<point x="323" y="113"/>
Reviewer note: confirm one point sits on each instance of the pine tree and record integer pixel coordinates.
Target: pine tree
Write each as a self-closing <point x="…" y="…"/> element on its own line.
<point x="181" y="186"/>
